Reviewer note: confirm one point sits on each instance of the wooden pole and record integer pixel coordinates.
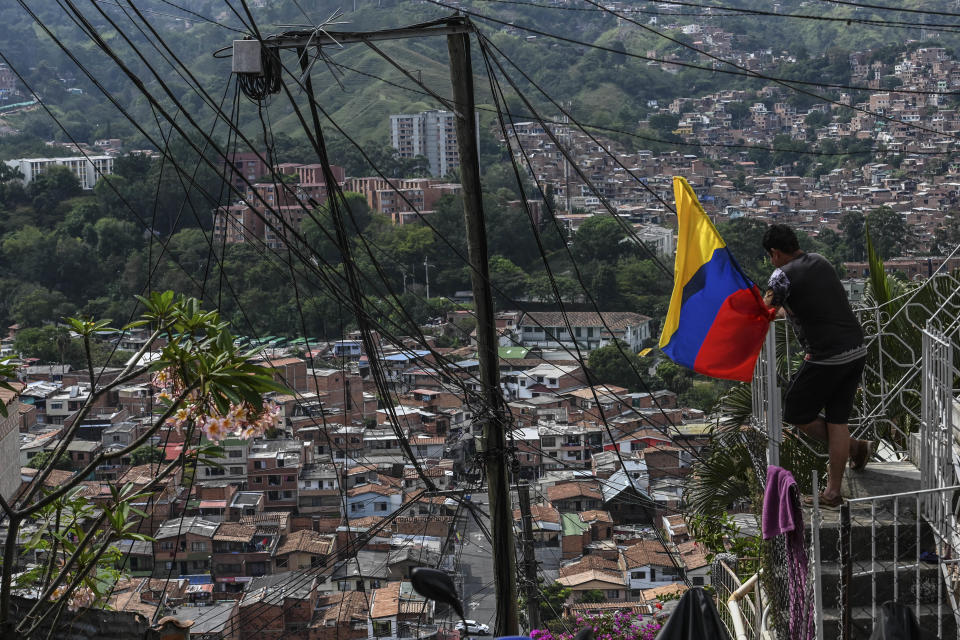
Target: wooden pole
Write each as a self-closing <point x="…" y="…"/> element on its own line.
<point x="529" y="559"/>
<point x="494" y="430"/>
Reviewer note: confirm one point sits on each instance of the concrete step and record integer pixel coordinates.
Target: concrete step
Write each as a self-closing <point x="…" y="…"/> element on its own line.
<point x="934" y="623"/>
<point x="880" y="535"/>
<point x="864" y="584"/>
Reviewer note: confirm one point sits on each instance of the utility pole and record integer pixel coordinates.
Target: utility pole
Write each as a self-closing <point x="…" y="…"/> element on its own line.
<point x="529" y="559"/>
<point x="494" y="429"/>
<point x="426" y="274"/>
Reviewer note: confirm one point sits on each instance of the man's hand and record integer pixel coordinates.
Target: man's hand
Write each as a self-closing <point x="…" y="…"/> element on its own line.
<point x="768" y="300"/>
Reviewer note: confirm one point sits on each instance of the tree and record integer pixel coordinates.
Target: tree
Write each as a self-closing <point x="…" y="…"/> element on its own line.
<point x="591" y="596"/>
<point x="44" y="459"/>
<point x="599" y="238"/>
<point x="145" y="454"/>
<point x="616" y="364"/>
<point x="675" y="377"/>
<point x="744" y="239"/>
<point x="852" y="227"/>
<point x="207" y="389"/>
<point x="52" y="187"/>
<point x="888" y="231"/>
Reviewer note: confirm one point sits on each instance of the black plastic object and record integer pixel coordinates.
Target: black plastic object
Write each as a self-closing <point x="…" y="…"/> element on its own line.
<point x="436" y="585"/>
<point x="695" y="618"/>
<point x="584" y="634"/>
<point x="897" y="622"/>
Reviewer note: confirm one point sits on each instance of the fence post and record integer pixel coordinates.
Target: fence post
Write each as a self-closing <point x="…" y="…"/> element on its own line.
<point x="846" y="572"/>
<point x="817" y="574"/>
<point x="773" y="417"/>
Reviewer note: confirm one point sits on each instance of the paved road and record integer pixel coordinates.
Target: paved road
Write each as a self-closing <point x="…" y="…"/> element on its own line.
<point x="476" y="569"/>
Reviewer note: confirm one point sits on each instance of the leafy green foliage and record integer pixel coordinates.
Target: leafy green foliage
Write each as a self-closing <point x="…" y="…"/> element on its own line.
<point x="145" y="454"/>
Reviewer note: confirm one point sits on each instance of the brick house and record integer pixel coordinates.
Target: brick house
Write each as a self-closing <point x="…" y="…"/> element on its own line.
<point x="273" y="467"/>
<point x="182" y="546"/>
<point x="278" y="606"/>
<point x="575" y="496"/>
<point x="241" y="552"/>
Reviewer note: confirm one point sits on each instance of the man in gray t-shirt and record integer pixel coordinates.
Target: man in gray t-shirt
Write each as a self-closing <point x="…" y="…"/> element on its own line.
<point x="807" y="290"/>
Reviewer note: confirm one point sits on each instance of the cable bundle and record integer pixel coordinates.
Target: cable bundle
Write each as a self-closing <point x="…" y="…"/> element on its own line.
<point x="257" y="86"/>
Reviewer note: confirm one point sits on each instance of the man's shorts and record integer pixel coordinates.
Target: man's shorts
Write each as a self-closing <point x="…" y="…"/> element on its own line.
<point x="827" y="387"/>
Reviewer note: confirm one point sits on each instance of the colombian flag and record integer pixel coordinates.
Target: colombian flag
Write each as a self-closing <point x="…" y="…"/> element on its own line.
<point x="717" y="319"/>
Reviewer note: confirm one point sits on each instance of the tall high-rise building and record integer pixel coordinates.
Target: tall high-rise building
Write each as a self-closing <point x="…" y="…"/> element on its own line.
<point x="432" y="134"/>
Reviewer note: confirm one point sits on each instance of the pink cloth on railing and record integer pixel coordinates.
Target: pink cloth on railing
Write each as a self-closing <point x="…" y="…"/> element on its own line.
<point x="781" y="508"/>
<point x="782" y="516"/>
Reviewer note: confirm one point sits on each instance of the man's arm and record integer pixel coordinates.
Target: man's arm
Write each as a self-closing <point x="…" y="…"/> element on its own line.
<point x="778" y="288"/>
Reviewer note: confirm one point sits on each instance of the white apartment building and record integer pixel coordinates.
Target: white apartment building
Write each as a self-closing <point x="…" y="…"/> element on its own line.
<point x="432" y="134"/>
<point x="88" y="169"/>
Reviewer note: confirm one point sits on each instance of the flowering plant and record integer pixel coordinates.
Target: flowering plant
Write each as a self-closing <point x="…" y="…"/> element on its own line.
<point x="621" y="625"/>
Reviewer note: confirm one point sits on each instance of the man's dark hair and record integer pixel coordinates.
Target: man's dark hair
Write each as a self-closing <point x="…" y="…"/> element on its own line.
<point x="782" y="237"/>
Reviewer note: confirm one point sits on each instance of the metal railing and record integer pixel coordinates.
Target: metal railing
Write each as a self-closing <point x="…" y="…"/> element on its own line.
<point x="740" y="603"/>
<point x="765" y="395"/>
<point x="899" y="547"/>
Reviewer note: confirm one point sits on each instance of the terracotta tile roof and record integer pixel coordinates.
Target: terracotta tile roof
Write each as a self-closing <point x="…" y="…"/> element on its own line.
<point x="430" y="472"/>
<point x="540" y="512"/>
<point x="235" y="532"/>
<point x="595" y="515"/>
<point x="637" y="607"/>
<point x="566" y="490"/>
<point x="385" y="602"/>
<point x="615" y="320"/>
<point x="587" y="563"/>
<point x="373" y="488"/>
<point x="277" y="519"/>
<point x="675" y="588"/>
<point x="390" y="480"/>
<point x="363" y="468"/>
<point x="646" y="553"/>
<point x="55" y="479"/>
<point x="126" y="597"/>
<point x="693" y="556"/>
<point x="394" y="600"/>
<point x="306" y="541"/>
<point x="282" y="362"/>
<point x="342" y="607"/>
<point x="367" y="521"/>
<point x="591" y="575"/>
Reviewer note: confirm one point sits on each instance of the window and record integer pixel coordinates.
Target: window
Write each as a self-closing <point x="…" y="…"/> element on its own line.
<point x="258" y="479"/>
<point x="198" y="546"/>
<point x="116" y="438"/>
<point x="236" y="471"/>
<point x="259" y="464"/>
<point x="290" y="478"/>
<point x="234" y="453"/>
<point x="698" y="581"/>
<point x="273" y="495"/>
<point x="382" y="628"/>
<point x="282" y="563"/>
<point x="552" y="381"/>
<point x="306" y="484"/>
<point x="613" y="593"/>
<point x="166" y="545"/>
<point x="356" y="506"/>
<point x="380" y="506"/>
<point x="274" y="481"/>
<point x="287" y="495"/>
<point x="548" y="442"/>
<point x="638" y="575"/>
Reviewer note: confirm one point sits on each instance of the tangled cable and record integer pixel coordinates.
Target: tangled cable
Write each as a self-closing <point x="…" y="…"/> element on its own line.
<point x="257" y="86"/>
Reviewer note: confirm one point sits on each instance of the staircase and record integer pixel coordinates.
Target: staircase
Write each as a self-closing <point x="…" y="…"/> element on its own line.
<point x="884" y="540"/>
